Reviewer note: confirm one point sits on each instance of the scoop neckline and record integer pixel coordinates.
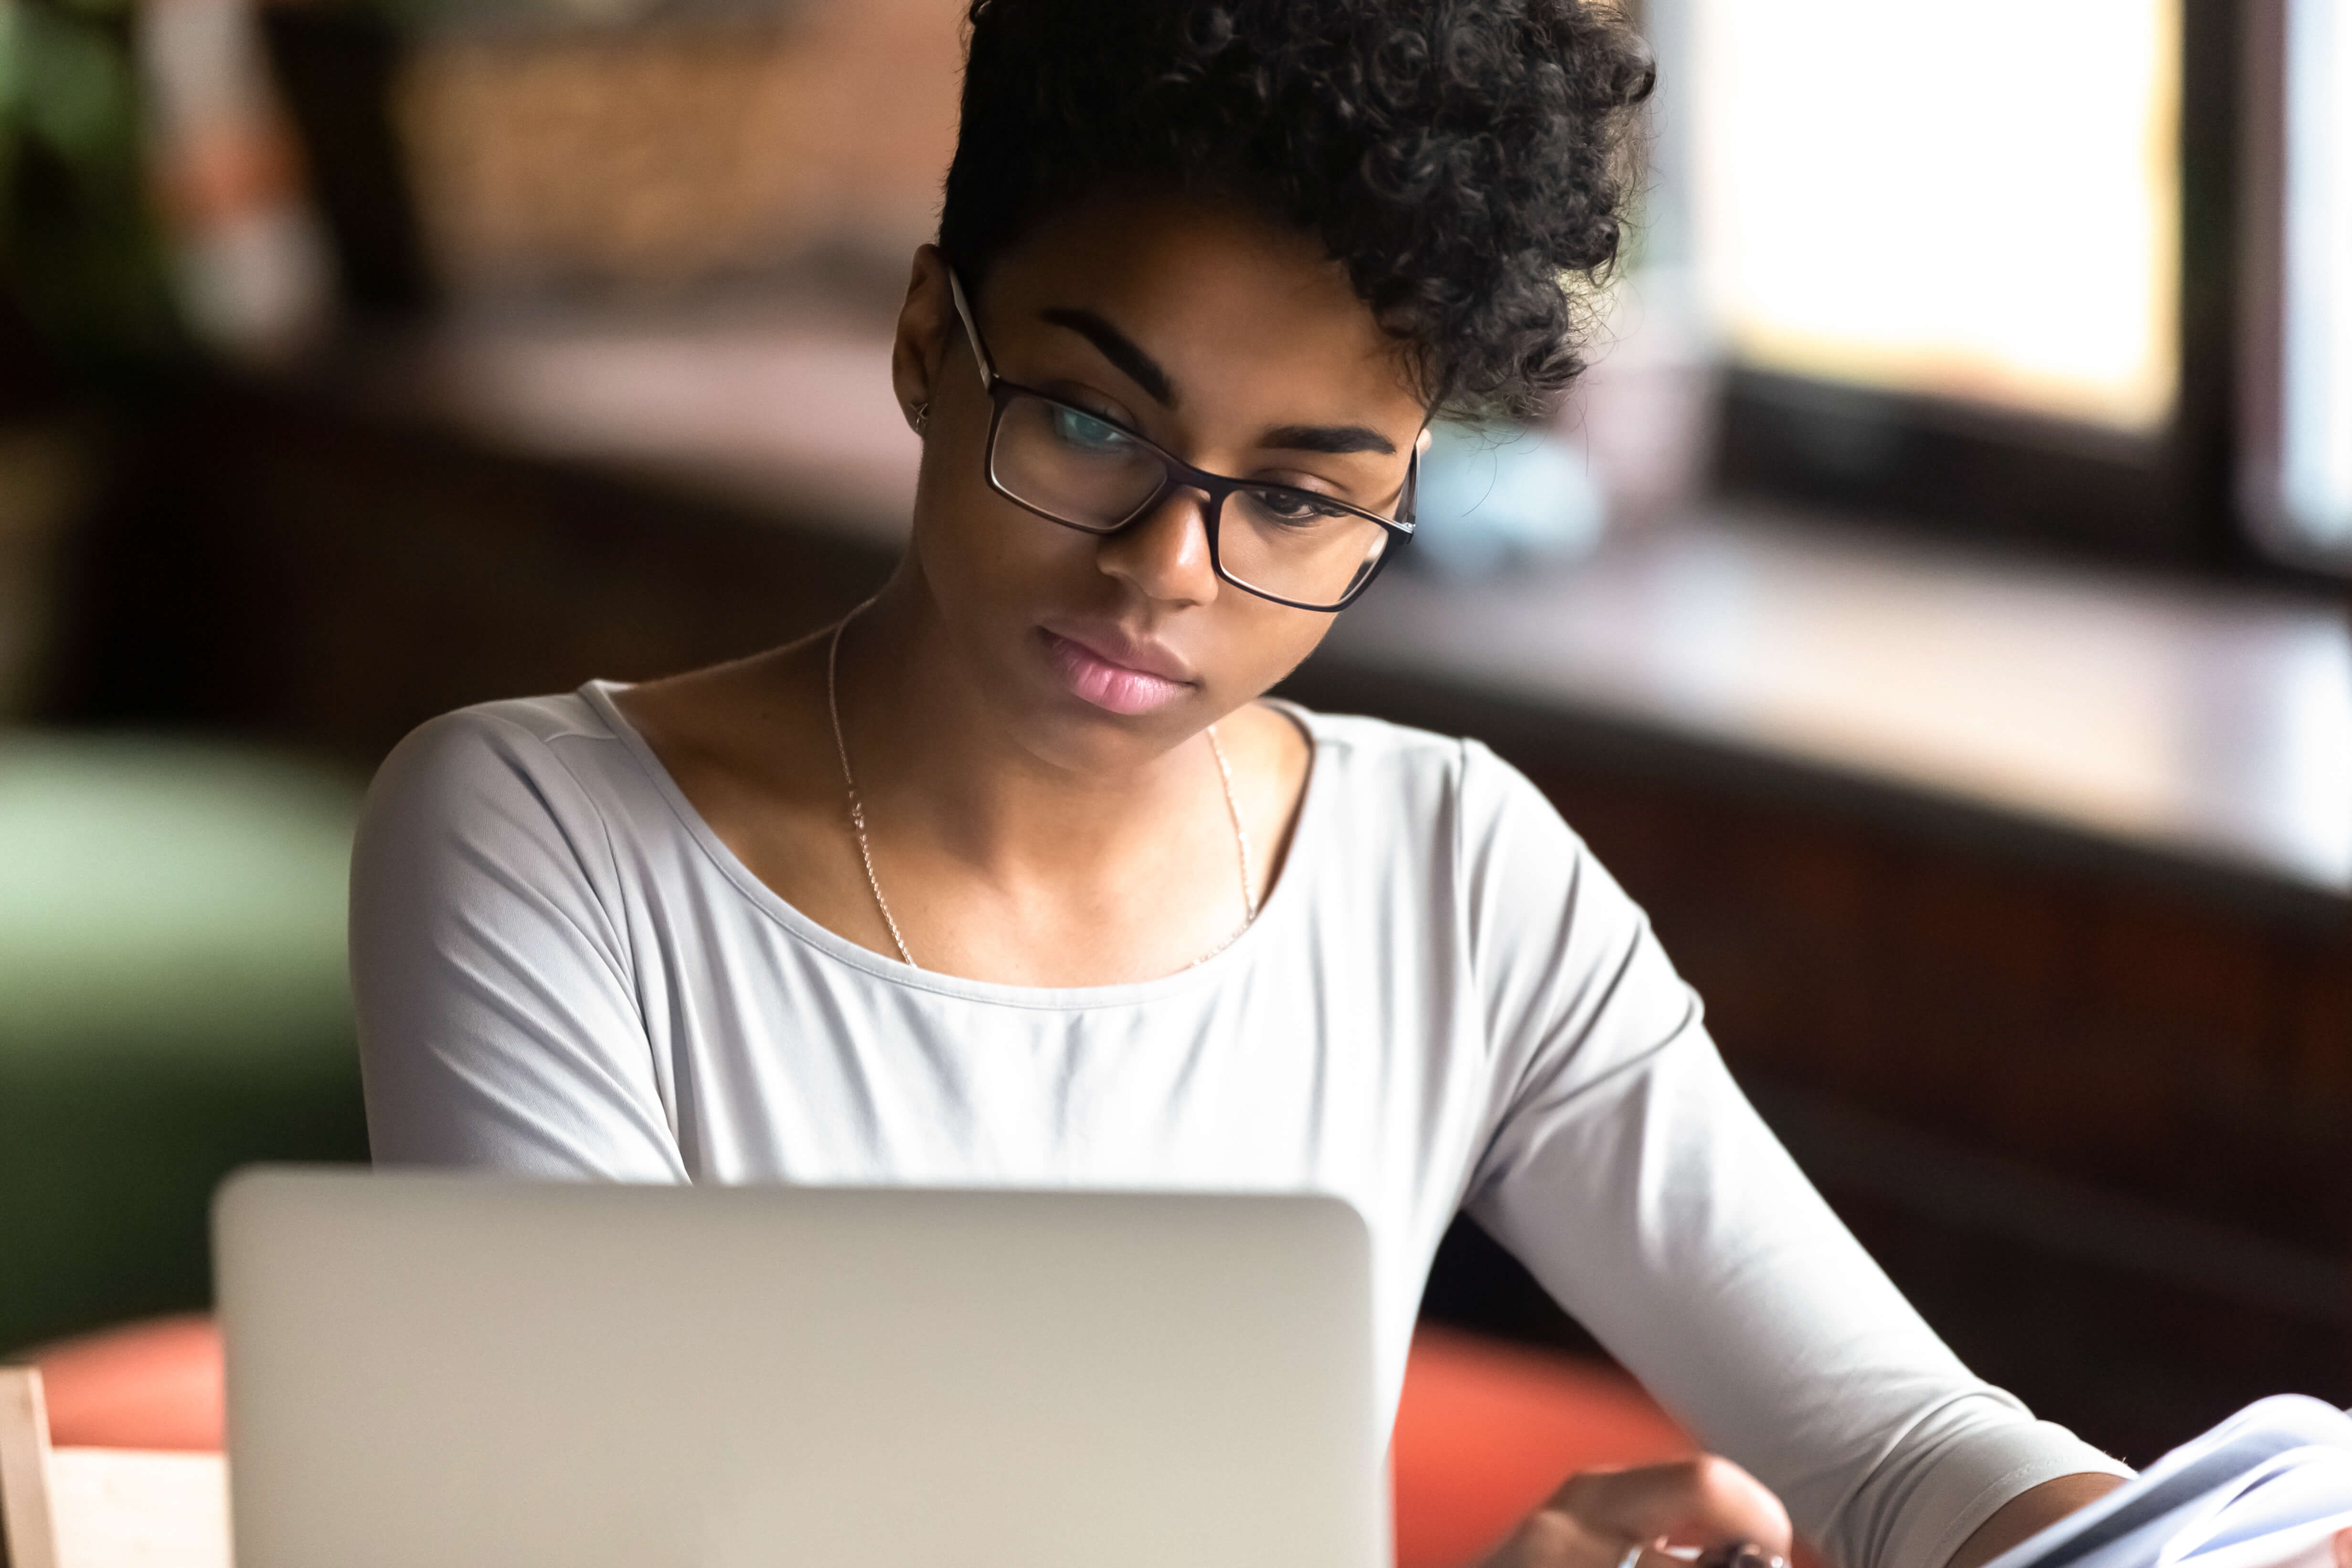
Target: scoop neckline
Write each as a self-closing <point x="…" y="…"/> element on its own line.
<point x="1277" y="902"/>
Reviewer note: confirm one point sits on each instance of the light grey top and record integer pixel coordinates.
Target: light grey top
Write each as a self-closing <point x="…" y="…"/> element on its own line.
<point x="1445" y="1003"/>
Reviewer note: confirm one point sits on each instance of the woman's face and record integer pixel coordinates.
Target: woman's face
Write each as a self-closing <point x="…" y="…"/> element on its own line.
<point x="1234" y="344"/>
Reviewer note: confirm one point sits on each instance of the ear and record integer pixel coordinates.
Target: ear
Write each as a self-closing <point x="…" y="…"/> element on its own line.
<point x="1420" y="443"/>
<point x="923" y="332"/>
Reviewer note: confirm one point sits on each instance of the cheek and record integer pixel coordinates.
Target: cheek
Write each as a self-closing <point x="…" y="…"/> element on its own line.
<point x="1256" y="643"/>
<point x="982" y="556"/>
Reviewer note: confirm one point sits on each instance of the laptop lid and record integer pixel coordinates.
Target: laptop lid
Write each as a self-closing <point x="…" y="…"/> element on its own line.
<point x="474" y="1373"/>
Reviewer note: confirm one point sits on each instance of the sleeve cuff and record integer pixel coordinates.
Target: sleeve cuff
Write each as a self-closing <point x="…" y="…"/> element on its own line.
<point x="1972" y="1484"/>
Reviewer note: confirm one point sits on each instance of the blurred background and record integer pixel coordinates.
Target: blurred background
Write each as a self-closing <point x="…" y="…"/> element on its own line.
<point x="1933" y="605"/>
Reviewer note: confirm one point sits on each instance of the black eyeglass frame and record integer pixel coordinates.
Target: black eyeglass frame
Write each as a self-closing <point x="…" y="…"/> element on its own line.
<point x="1177" y="474"/>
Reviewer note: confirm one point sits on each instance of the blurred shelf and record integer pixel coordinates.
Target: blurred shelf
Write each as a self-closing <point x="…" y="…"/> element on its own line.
<point x="2209" y="724"/>
<point x="784" y="408"/>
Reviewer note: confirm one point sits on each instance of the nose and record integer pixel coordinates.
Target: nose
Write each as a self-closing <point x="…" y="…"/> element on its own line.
<point x="1164" y="554"/>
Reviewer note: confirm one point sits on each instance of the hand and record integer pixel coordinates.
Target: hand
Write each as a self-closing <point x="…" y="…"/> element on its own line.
<point x="1595" y="1520"/>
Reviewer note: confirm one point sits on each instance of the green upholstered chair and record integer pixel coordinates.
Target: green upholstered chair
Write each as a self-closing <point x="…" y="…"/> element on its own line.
<point x="173" y="1004"/>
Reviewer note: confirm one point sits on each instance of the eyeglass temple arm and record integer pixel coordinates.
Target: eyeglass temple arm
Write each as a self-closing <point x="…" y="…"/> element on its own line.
<point x="972" y="333"/>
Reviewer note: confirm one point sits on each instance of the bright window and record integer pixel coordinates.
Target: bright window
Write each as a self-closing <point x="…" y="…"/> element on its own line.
<point x="1976" y="202"/>
<point x="2315" y="344"/>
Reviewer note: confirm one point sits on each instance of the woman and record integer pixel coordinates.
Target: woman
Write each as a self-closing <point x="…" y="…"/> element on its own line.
<point x="1015" y="877"/>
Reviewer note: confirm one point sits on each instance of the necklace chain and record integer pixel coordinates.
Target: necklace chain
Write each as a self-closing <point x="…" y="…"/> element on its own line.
<point x="865" y="851"/>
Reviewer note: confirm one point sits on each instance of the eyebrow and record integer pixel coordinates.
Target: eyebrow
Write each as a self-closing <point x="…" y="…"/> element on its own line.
<point x="1118" y="348"/>
<point x="1335" y="440"/>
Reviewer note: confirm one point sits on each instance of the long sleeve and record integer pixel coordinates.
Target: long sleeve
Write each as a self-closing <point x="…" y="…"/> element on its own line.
<point x="1631" y="1175"/>
<point x="498" y="1024"/>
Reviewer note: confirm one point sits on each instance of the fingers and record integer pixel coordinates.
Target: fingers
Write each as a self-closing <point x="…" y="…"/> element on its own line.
<point x="1603" y="1518"/>
<point x="2344" y="1549"/>
<point x="1704" y="1501"/>
<point x="1553" y="1538"/>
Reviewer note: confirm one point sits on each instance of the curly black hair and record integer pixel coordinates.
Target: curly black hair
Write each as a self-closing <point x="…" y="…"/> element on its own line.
<point x="1469" y="161"/>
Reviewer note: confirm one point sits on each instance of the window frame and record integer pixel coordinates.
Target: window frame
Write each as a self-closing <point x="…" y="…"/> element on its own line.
<point x="2262" y="300"/>
<point x="2175" y="498"/>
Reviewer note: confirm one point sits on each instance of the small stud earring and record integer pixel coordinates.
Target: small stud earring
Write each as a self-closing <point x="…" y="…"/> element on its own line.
<point x="920" y="418"/>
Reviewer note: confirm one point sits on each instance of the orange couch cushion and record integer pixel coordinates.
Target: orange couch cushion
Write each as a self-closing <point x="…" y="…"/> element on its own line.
<point x="153" y="1384"/>
<point x="1486" y="1431"/>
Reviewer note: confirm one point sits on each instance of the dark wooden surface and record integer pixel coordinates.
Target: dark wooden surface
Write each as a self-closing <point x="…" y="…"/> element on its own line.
<point x="2192" y="724"/>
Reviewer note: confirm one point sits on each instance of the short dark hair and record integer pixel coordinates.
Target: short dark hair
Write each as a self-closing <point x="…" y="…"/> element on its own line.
<point x="1469" y="162"/>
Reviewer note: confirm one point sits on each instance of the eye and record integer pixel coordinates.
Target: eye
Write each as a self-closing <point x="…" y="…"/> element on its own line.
<point x="1298" y="509"/>
<point x="1082" y="432"/>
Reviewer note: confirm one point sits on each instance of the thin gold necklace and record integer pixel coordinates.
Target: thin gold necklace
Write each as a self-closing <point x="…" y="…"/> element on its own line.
<point x="866" y="852"/>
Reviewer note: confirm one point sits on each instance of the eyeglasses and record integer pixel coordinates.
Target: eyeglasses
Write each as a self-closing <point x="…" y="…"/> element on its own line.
<point x="1297" y="547"/>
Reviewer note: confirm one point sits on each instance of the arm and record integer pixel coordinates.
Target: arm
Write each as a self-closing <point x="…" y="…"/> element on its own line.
<point x="499" y="1025"/>
<point x="2032" y="1511"/>
<point x="1630" y="1174"/>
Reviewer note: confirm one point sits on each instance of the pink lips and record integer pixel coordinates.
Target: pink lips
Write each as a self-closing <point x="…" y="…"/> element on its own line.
<point x="1118" y="687"/>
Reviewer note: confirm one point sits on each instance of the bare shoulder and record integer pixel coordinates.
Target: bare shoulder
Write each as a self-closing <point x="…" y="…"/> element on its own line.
<point x="697" y="706"/>
<point x="744" y="729"/>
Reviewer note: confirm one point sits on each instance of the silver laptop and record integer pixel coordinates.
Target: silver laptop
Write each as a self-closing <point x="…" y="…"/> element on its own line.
<point x="466" y="1372"/>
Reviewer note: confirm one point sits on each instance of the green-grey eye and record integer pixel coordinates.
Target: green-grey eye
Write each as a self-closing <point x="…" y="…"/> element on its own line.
<point x="1082" y="432"/>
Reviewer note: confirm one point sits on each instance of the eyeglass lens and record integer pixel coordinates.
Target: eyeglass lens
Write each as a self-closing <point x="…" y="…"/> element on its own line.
<point x="1089" y="474"/>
